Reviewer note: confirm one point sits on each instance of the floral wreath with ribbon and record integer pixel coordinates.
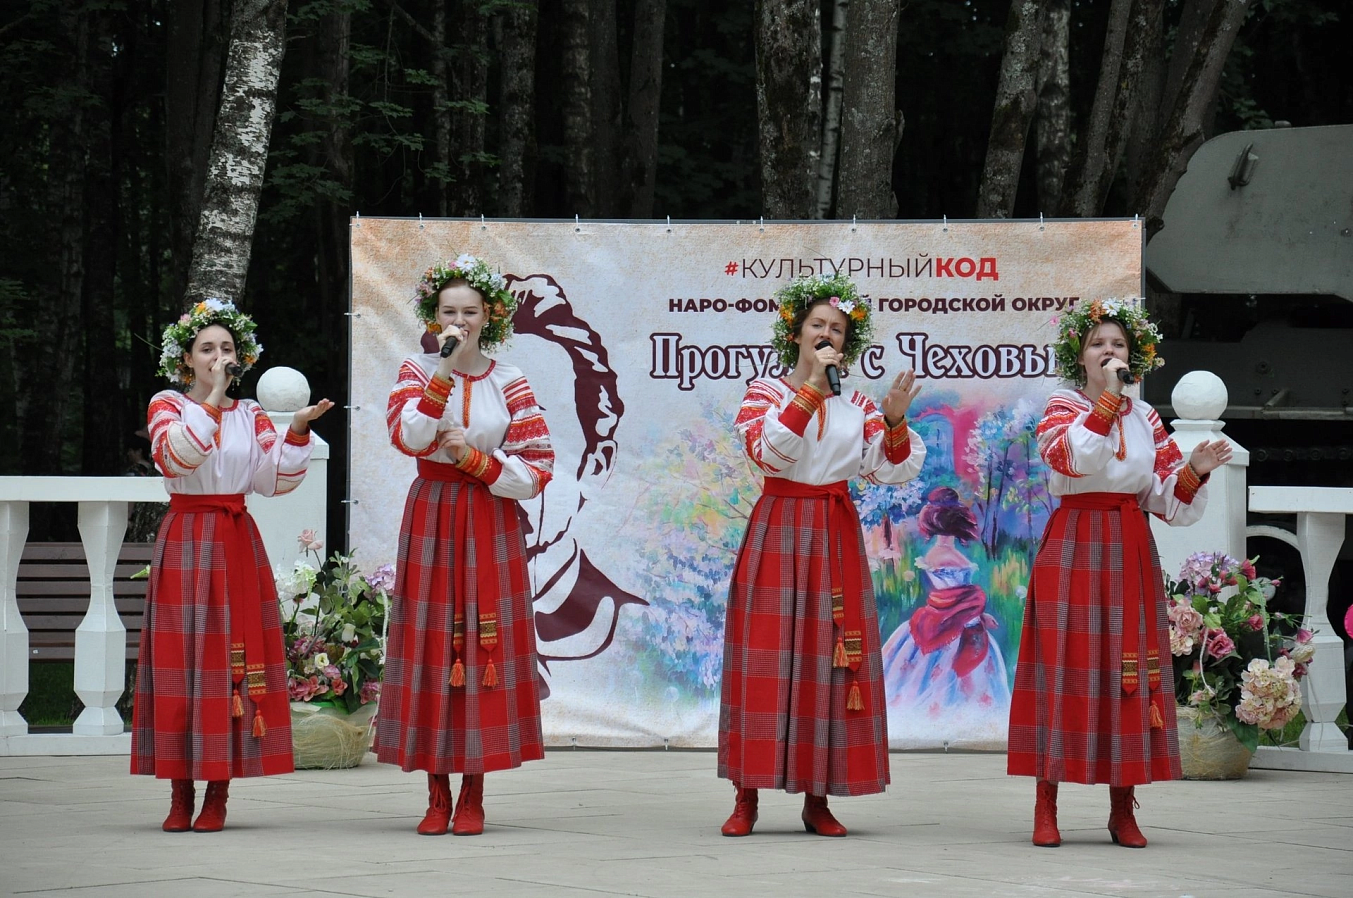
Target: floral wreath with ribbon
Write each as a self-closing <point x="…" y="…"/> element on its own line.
<point x="796" y="297"/>
<point x="499" y="304"/>
<point x="177" y="340"/>
<point x="1129" y="313"/>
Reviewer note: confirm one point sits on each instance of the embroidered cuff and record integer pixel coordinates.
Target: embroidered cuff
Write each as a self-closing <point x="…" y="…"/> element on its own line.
<point x="801" y="408"/>
<point x="297" y="439"/>
<point x="897" y="442"/>
<point x="433" y="401"/>
<point x="1187" y="486"/>
<point x="480" y="465"/>
<point x="1103" y="414"/>
<point x="212" y="411"/>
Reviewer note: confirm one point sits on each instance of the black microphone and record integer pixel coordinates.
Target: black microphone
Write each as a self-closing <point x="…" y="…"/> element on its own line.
<point x="450" y="346"/>
<point x="833" y="376"/>
<point x="234" y="369"/>
<point x="1123" y="373"/>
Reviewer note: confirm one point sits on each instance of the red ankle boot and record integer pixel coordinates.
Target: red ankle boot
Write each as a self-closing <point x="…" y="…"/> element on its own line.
<point x="438" y="816"/>
<point x="1045" y="816"/>
<point x="742" y="819"/>
<point x="469" y="820"/>
<point x="180" y="818"/>
<point x="212" y="818"/>
<point x="817" y="819"/>
<point x="1122" y="825"/>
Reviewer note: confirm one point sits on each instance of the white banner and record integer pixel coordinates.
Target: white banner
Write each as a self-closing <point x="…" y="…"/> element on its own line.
<point x="639" y="340"/>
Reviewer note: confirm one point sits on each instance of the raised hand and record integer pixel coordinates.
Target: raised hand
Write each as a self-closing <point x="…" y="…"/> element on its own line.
<point x="1207" y="457"/>
<point x="903" y="390"/>
<point x="300" y="420"/>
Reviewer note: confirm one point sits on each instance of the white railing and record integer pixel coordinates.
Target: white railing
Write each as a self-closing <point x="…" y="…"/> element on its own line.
<point x="101" y="638"/>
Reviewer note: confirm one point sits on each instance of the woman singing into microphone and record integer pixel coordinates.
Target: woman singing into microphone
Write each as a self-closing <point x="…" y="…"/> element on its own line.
<point x="460" y="693"/>
<point x="802" y="699"/>
<point x="1094" y="690"/>
<point x="211" y="683"/>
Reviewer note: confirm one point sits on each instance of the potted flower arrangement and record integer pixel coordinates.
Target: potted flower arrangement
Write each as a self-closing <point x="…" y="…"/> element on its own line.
<point x="333" y="624"/>
<point x="1237" y="665"/>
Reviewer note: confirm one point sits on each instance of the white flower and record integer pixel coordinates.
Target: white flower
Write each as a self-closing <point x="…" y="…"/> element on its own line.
<point x="466" y="262"/>
<point x="349" y="631"/>
<point x="322" y="660"/>
<point x="1302" y="652"/>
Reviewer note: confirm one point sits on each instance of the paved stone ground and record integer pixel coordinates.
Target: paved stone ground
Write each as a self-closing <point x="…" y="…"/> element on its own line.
<point x="593" y="823"/>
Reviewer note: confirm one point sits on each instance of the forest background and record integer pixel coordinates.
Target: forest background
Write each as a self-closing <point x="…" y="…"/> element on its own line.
<point x="616" y="109"/>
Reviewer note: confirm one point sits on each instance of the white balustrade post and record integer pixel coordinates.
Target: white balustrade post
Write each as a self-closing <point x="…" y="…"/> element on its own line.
<point x="281" y="391"/>
<point x="101" y="638"/>
<point x="1199" y="400"/>
<point x="1319" y="536"/>
<point x="13" y="631"/>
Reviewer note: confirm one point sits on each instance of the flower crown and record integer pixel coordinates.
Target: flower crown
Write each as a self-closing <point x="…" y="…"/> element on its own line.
<point x="1128" y="312"/>
<point x="178" y="337"/>
<point x="798" y="295"/>
<point x="499" y="304"/>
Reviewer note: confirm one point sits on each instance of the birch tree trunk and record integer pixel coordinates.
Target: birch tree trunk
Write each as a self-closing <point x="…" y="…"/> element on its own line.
<point x="833" y="97"/>
<point x="1109" y="128"/>
<point x="1014" y="110"/>
<point x="1182" y="131"/>
<point x="239" y="150"/>
<point x="579" y="172"/>
<point x="870" y="121"/>
<point x="640" y="157"/>
<point x="517" y="108"/>
<point x="1054" y="106"/>
<point x="788" y="104"/>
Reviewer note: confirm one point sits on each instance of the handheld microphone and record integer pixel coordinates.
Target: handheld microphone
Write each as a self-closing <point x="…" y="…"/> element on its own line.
<point x="833" y="376"/>
<point x="449" y="346"/>
<point x="234" y="369"/>
<point x="1123" y="374"/>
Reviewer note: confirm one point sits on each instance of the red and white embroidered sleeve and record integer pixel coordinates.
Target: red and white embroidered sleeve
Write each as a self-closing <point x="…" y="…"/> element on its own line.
<point x="759" y="402"/>
<point x="526" y="444"/>
<point x="896" y="440"/>
<point x="413" y="397"/>
<point x="1170" y="461"/>
<point x="1054" y="435"/>
<point x="290" y="460"/>
<point x="180" y="445"/>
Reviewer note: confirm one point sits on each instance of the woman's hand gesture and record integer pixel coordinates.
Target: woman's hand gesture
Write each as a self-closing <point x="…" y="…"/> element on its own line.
<point x="300" y="420"/>
<point x="1207" y="457"/>
<point x="904" y="389"/>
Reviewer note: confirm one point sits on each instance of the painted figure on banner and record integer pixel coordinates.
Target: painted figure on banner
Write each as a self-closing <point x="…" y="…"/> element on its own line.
<point x="941" y="664"/>
<point x="803" y="706"/>
<point x="1094" y="692"/>
<point x="211" y="682"/>
<point x="461" y="692"/>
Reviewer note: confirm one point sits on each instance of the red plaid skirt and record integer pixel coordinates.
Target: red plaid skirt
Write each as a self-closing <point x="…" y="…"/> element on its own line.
<point x="424" y="722"/>
<point x="182" y="724"/>
<point x="1071" y="720"/>
<point x="783" y="722"/>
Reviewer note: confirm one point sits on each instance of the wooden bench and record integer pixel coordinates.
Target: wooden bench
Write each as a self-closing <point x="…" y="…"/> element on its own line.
<point x="53" y="595"/>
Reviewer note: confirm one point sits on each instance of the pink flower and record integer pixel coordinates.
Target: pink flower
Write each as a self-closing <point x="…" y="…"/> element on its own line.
<point x="1247" y="569"/>
<point x="1304" y="635"/>
<point x="339" y="687"/>
<point x="1299" y="671"/>
<point x="309" y="541"/>
<point x="370" y="692"/>
<point x="835" y="301"/>
<point x="1219" y="645"/>
<point x="1256" y="622"/>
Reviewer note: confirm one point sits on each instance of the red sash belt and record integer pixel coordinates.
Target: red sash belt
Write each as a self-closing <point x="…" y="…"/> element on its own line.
<point x="485" y="583"/>
<point x="1139" y="590"/>
<point x="844" y="556"/>
<point x="242" y="596"/>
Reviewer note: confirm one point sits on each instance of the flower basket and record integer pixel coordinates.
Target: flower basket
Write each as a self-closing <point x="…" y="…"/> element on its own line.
<point x="328" y="738"/>
<point x="1208" y="750"/>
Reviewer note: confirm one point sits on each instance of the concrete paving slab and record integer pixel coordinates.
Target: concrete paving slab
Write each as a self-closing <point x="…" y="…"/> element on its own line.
<point x="593" y="823"/>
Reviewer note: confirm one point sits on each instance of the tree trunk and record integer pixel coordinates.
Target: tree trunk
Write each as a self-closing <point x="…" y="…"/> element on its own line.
<point x="579" y="159"/>
<point x="1182" y="132"/>
<point x="103" y="406"/>
<point x="640" y="158"/>
<point x="1090" y="155"/>
<point x="1108" y="128"/>
<point x="195" y="46"/>
<point x="833" y="97"/>
<point x="1146" y="115"/>
<point x="469" y="87"/>
<point x="51" y="380"/>
<point x="239" y="150"/>
<point x="869" y="126"/>
<point x="330" y="64"/>
<point x="441" y="108"/>
<point x="606" y="112"/>
<point x="517" y="108"/>
<point x="1014" y="110"/>
<point x="788" y="104"/>
<point x="1054" y="106"/>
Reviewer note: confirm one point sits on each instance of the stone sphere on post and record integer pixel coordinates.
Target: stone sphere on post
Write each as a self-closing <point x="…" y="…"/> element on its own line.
<point x="1199" y="396"/>
<point x="283" y="389"/>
